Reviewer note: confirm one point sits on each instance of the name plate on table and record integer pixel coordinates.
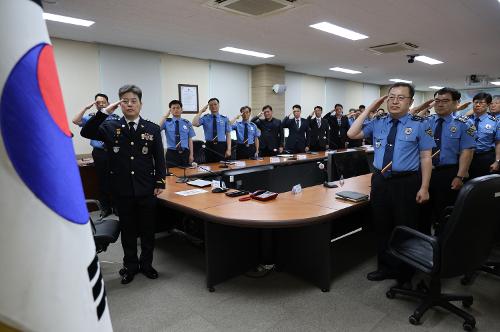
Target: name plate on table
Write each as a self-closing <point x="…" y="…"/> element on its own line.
<point x="204" y="168"/>
<point x="301" y="157"/>
<point x="191" y="192"/>
<point x="274" y="159"/>
<point x="240" y="164"/>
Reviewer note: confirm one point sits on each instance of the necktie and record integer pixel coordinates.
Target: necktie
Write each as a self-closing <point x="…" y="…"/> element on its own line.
<point x="245" y="134"/>
<point x="437" y="138"/>
<point x="319" y="122"/>
<point x="476" y="124"/>
<point x="177" y="136"/>
<point x="389" y="147"/>
<point x="214" y="128"/>
<point x="132" y="128"/>
<point x="297" y="123"/>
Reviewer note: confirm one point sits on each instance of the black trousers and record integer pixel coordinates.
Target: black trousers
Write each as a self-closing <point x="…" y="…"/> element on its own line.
<point x="265" y="151"/>
<point x="393" y="204"/>
<point x="440" y="196"/>
<point x="174" y="158"/>
<point x="316" y="146"/>
<point x="480" y="164"/>
<point x="137" y="218"/>
<point x="245" y="152"/>
<point x="219" y="147"/>
<point x="102" y="169"/>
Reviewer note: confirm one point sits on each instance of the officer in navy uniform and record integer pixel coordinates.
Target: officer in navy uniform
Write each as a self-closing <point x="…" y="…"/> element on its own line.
<point x="247" y="135"/>
<point x="179" y="134"/>
<point x="455" y="143"/>
<point x="217" y="131"/>
<point x="99" y="154"/>
<point x="137" y="174"/>
<point x="487" y="153"/>
<point x="495" y="107"/>
<point x="402" y="159"/>
<point x="319" y="131"/>
<point x="298" y="131"/>
<point x="272" y="139"/>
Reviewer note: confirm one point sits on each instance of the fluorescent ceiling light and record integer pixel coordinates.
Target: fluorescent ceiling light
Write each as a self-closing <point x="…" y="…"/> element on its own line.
<point x="344" y="70"/>
<point x="246" y="52"/>
<point x="398" y="80"/>
<point x="339" y="31"/>
<point x="496" y="82"/>
<point x="427" y="60"/>
<point x="435" y="87"/>
<point x="67" y="19"/>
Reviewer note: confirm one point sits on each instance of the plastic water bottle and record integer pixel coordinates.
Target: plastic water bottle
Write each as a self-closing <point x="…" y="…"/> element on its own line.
<point x="341" y="180"/>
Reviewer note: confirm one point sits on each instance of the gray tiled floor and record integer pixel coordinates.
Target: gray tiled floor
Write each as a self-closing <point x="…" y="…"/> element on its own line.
<point x="178" y="300"/>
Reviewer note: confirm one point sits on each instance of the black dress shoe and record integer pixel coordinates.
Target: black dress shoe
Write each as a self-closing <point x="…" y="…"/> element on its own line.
<point x="379" y="275"/>
<point x="127" y="276"/>
<point x="149" y="272"/>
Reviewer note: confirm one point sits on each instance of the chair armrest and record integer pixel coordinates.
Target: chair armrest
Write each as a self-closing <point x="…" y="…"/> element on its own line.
<point x="402" y="233"/>
<point x="94" y="202"/>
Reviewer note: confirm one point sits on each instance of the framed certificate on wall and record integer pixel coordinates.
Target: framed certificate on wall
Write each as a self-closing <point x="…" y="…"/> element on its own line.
<point x="188" y="95"/>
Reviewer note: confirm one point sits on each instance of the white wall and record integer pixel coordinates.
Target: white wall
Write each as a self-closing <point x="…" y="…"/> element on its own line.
<point x="293" y="94"/>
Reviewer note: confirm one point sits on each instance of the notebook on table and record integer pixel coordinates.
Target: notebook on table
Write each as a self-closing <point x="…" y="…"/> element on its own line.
<point x="352" y="196"/>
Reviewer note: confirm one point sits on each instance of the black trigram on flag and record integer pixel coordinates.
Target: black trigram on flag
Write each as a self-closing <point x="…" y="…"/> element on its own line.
<point x="97" y="287"/>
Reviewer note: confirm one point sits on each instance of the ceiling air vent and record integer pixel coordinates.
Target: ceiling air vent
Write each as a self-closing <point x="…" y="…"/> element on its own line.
<point x="252" y="7"/>
<point x="393" y="48"/>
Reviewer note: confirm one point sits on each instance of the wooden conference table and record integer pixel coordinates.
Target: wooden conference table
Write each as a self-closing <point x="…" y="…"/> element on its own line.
<point x="300" y="226"/>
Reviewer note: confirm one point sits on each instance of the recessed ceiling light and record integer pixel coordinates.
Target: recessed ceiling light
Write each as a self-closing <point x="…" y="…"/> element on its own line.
<point x="427" y="60"/>
<point x="246" y="52"/>
<point x="339" y="31"/>
<point x="435" y="87"/>
<point x="344" y="70"/>
<point x="67" y="19"/>
<point x="398" y="80"/>
<point x="496" y="82"/>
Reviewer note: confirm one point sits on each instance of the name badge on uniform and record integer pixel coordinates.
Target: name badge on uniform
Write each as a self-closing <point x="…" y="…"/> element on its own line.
<point x="185" y="128"/>
<point x="453" y="129"/>
<point x="408" y="131"/>
<point x="488" y="126"/>
<point x="144" y="150"/>
<point x="378" y="143"/>
<point x="116" y="149"/>
<point x="251" y="128"/>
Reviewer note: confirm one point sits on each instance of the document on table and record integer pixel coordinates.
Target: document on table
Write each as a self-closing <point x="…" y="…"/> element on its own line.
<point x="191" y="192"/>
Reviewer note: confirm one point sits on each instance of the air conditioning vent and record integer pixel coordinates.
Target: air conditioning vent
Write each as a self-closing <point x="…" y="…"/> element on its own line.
<point x="393" y="48"/>
<point x="252" y="7"/>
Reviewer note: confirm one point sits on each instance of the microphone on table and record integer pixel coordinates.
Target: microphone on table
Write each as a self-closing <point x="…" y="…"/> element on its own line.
<point x="182" y="179"/>
<point x="326" y="184"/>
<point x="225" y="163"/>
<point x="222" y="188"/>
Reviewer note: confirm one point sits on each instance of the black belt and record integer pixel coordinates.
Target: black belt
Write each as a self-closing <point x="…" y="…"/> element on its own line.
<point x="246" y="145"/>
<point x="393" y="174"/>
<point x="483" y="152"/>
<point x="438" y="167"/>
<point x="179" y="151"/>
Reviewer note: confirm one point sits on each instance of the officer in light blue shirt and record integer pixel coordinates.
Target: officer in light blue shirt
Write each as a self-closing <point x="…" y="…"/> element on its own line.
<point x="455" y="143"/>
<point x="247" y="135"/>
<point x="402" y="147"/>
<point x="486" y="158"/>
<point x="217" y="132"/>
<point x="99" y="154"/>
<point x="179" y="133"/>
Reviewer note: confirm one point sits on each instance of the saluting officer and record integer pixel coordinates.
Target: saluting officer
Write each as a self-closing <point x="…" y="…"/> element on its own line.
<point x="179" y="133"/>
<point x="495" y="107"/>
<point x="319" y="131"/>
<point x="217" y="131"/>
<point x="455" y="143"/>
<point x="487" y="153"/>
<point x="272" y="139"/>
<point x="247" y="135"/>
<point x="99" y="153"/>
<point x="403" y="165"/>
<point x="137" y="173"/>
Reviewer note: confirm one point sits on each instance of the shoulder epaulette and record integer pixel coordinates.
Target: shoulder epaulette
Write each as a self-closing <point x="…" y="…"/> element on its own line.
<point x="417" y="118"/>
<point x="462" y="118"/>
<point x="150" y="123"/>
<point x="491" y="117"/>
<point x="92" y="114"/>
<point x="381" y="116"/>
<point x="169" y="120"/>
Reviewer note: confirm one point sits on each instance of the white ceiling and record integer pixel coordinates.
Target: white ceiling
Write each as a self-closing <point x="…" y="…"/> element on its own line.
<point x="465" y="34"/>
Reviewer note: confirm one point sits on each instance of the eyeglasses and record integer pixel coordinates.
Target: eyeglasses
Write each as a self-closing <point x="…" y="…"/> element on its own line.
<point x="444" y="101"/>
<point x="477" y="102"/>
<point x="131" y="101"/>
<point x="399" y="98"/>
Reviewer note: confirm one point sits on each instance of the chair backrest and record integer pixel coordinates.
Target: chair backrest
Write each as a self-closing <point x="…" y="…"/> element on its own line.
<point x="469" y="233"/>
<point x="199" y="152"/>
<point x="349" y="164"/>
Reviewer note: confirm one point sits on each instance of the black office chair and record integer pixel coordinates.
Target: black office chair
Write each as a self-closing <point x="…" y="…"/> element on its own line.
<point x="492" y="266"/>
<point x="349" y="164"/>
<point x="463" y="246"/>
<point x="199" y="152"/>
<point x="105" y="231"/>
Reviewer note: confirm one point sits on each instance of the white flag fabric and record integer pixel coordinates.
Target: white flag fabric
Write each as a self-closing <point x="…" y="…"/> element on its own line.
<point x="50" y="278"/>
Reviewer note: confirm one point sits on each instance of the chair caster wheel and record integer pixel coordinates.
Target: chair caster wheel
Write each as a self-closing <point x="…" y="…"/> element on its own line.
<point x="469" y="326"/>
<point x="211" y="289"/>
<point x="467" y="303"/>
<point x="414" y="320"/>
<point x="122" y="272"/>
<point x="466" y="281"/>
<point x="325" y="290"/>
<point x="390" y="294"/>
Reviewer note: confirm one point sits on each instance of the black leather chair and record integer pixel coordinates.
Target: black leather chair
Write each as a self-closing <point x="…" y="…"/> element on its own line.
<point x="465" y="241"/>
<point x="199" y="152"/>
<point x="105" y="231"/>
